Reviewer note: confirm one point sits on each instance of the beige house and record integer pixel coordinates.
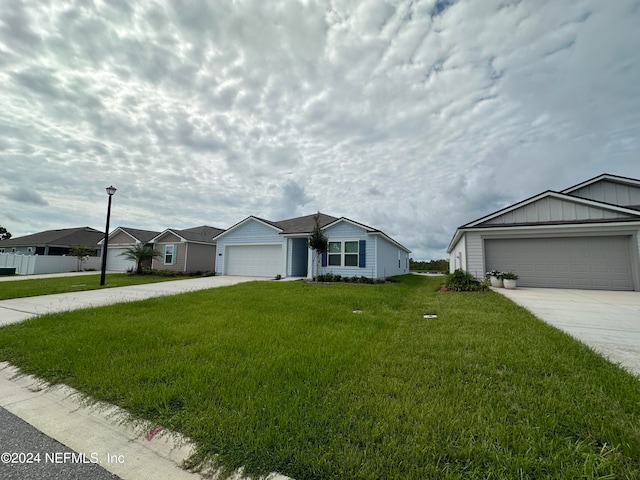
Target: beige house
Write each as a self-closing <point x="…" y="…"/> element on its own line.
<point x="189" y="250"/>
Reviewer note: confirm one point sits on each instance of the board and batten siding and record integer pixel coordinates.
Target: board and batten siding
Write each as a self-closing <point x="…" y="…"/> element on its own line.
<point x="610" y="192"/>
<point x="252" y="232"/>
<point x="551" y="209"/>
<point x="475" y="255"/>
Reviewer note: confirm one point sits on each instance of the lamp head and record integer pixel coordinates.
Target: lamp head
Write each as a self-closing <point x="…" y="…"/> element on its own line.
<point x="111" y="190"/>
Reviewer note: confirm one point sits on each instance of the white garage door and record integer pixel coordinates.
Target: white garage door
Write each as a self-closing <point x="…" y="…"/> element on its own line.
<point x="594" y="263"/>
<point x="118" y="263"/>
<point x="254" y="260"/>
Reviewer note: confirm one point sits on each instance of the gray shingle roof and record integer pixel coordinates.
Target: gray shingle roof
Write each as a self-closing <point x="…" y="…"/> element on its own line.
<point x="65" y="237"/>
<point x="141" y="235"/>
<point x="203" y="233"/>
<point x="304" y="224"/>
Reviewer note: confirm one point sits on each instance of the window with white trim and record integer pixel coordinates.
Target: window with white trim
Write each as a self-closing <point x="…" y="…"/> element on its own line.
<point x="343" y="254"/>
<point x="169" y="254"/>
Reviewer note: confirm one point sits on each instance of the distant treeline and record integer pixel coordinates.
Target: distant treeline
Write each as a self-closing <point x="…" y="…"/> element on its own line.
<point x="431" y="266"/>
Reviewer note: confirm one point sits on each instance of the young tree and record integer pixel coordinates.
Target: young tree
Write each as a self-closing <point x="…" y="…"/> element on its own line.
<point x="4" y="233"/>
<point x="317" y="242"/>
<point x="140" y="254"/>
<point x="81" y="252"/>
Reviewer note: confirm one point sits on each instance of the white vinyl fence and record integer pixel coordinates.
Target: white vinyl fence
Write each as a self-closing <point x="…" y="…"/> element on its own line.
<point x="34" y="264"/>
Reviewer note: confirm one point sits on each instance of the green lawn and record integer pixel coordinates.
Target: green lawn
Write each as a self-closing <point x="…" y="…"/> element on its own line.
<point x="76" y="283"/>
<point x="284" y="376"/>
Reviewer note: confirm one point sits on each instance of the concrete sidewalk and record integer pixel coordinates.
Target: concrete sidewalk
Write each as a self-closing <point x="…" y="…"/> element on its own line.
<point x="607" y="321"/>
<point x="19" y="309"/>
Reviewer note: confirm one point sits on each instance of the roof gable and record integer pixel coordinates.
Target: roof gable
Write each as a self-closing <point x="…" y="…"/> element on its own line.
<point x="247" y="220"/>
<point x="608" y="188"/>
<point x="136" y="235"/>
<point x="554" y="207"/>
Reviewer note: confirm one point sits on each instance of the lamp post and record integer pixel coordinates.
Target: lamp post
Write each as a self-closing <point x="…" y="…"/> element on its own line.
<point x="110" y="191"/>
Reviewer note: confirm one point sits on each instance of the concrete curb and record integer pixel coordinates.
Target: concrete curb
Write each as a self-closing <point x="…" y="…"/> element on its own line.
<point x="131" y="451"/>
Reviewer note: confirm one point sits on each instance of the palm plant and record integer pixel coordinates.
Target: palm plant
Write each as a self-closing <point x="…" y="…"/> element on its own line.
<point x="140" y="254"/>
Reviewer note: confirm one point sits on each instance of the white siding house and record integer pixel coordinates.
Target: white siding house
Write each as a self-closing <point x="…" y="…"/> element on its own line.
<point x="259" y="247"/>
<point x="587" y="236"/>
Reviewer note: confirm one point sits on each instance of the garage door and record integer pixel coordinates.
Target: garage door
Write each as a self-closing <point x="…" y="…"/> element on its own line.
<point x="595" y="263"/>
<point x="254" y="260"/>
<point x="118" y="263"/>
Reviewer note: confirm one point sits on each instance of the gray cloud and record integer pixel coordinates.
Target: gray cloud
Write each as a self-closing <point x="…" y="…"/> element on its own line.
<point x="23" y="195"/>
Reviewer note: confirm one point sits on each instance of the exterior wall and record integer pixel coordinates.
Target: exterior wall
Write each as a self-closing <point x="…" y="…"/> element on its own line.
<point x="610" y="192"/>
<point x="252" y="232"/>
<point x="475" y="241"/>
<point x="551" y="209"/>
<point x="121" y="238"/>
<point x="391" y="259"/>
<point x="475" y="254"/>
<point x="458" y="256"/>
<point x="200" y="257"/>
<point x="179" y="265"/>
<point x="346" y="231"/>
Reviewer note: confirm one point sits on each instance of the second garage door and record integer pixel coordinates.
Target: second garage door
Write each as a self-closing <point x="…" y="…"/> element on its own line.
<point x="116" y="262"/>
<point x="596" y="263"/>
<point x="254" y="260"/>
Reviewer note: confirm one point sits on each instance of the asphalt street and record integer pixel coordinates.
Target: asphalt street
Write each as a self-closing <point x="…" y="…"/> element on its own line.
<point x="28" y="454"/>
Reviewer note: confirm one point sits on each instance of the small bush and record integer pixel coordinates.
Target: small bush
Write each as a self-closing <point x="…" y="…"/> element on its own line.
<point x="461" y="281"/>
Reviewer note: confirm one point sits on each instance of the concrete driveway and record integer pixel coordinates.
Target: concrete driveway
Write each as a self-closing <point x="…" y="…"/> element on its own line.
<point x="19" y="309"/>
<point x="609" y="322"/>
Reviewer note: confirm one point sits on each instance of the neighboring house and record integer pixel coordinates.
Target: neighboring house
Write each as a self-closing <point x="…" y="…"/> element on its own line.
<point x="189" y="250"/>
<point x="52" y="242"/>
<point x="121" y="239"/>
<point x="586" y="236"/>
<point x="259" y="247"/>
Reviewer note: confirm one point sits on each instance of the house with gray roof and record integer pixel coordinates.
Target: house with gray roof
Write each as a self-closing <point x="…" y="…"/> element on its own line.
<point x="188" y="250"/>
<point x="120" y="240"/>
<point x="259" y="247"/>
<point x="586" y="236"/>
<point x="52" y="242"/>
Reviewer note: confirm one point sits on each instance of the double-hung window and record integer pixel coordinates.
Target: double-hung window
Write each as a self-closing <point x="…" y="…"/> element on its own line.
<point x="169" y="254"/>
<point x="334" y="252"/>
<point x="343" y="254"/>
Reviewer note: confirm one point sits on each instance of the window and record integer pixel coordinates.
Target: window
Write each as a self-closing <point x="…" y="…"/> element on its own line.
<point x="351" y="254"/>
<point x="344" y="254"/>
<point x="169" y="254"/>
<point x="334" y="252"/>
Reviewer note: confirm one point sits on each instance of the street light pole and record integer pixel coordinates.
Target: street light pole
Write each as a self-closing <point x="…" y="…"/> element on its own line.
<point x="110" y="191"/>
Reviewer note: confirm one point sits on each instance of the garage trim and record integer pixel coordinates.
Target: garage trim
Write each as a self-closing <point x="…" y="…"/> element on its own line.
<point x="269" y="268"/>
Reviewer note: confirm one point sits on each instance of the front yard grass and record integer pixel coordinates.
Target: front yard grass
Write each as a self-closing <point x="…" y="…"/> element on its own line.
<point x="285" y="376"/>
<point x="47" y="286"/>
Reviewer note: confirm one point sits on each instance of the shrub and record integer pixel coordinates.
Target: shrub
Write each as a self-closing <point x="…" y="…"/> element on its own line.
<point x="461" y="281"/>
<point x="509" y="276"/>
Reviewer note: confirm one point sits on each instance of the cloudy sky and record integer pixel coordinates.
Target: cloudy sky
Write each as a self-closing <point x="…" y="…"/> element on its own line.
<point x="413" y="117"/>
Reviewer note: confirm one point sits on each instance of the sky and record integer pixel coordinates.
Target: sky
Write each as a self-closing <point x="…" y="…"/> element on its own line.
<point x="412" y="117"/>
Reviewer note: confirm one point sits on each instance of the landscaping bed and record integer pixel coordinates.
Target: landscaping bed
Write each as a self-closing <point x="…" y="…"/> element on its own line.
<point x="287" y="377"/>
